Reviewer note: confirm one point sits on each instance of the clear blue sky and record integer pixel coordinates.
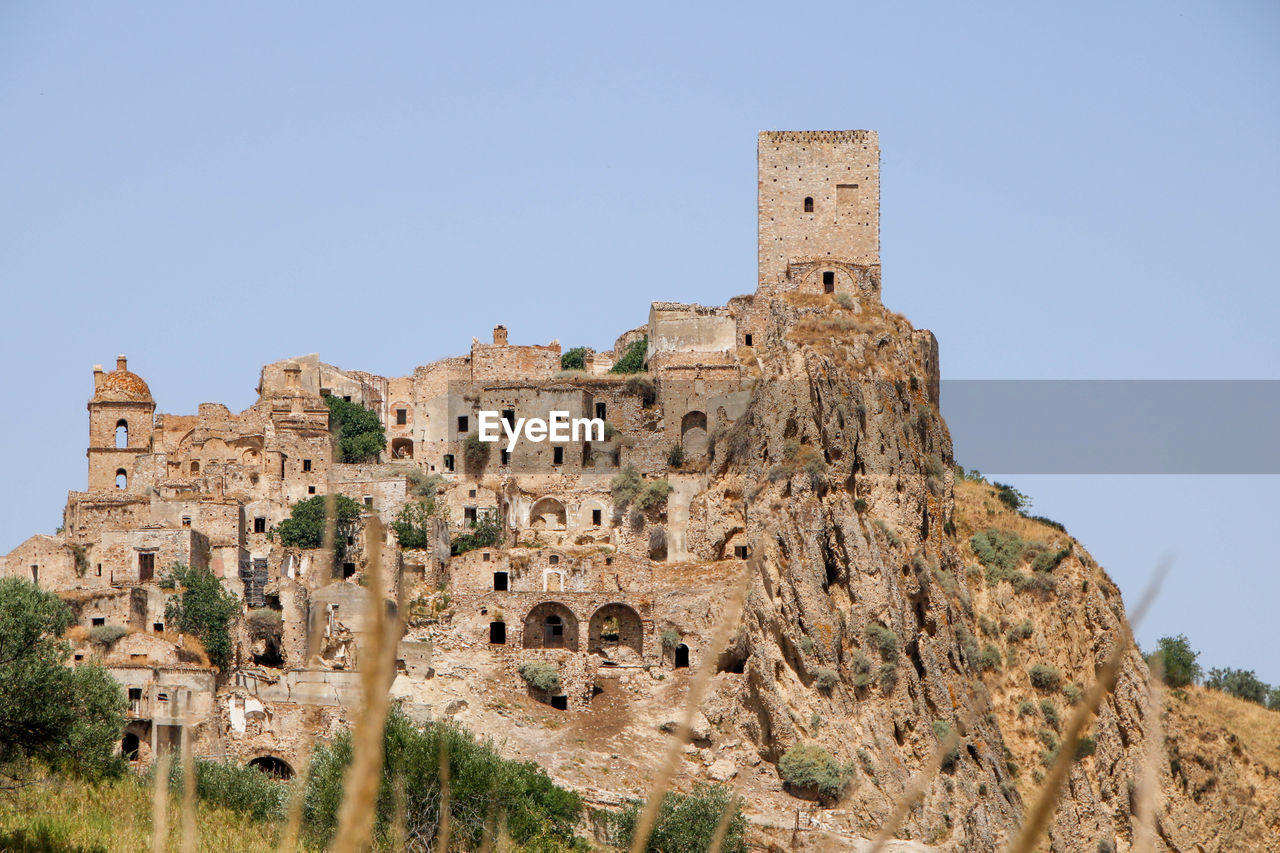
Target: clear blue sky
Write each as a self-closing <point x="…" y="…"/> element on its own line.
<point x="1084" y="190"/>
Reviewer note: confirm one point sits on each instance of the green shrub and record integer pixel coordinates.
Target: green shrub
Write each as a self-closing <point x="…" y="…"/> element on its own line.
<point x="1073" y="692"/>
<point x="861" y="666"/>
<point x="685" y="823"/>
<point x="888" y="677"/>
<point x="942" y="729"/>
<point x="999" y="551"/>
<point x="632" y="360"/>
<point x="203" y="608"/>
<point x="1241" y="683"/>
<point x="1045" y="678"/>
<point x="1026" y="708"/>
<point x="826" y="677"/>
<point x="1088" y="745"/>
<point x="806" y="644"/>
<point x="859" y="505"/>
<point x="475" y="453"/>
<point x="883" y="640"/>
<point x="486" y="530"/>
<point x="1047" y="561"/>
<point x="1011" y="497"/>
<point x="238" y="787"/>
<point x="574" y="359"/>
<point x="933" y="466"/>
<point x="653" y="495"/>
<point x="264" y="623"/>
<point x="358" y="434"/>
<point x="1050" y="712"/>
<point x="990" y="657"/>
<point x="626" y="485"/>
<point x="541" y="675"/>
<point x="105" y="635"/>
<point x="676" y="457"/>
<point x="1022" y="631"/>
<point x="424" y="485"/>
<point x="304" y="528"/>
<point x="413" y="524"/>
<point x="1175" y="657"/>
<point x="539" y="815"/>
<point x="670" y="638"/>
<point x="810" y="768"/>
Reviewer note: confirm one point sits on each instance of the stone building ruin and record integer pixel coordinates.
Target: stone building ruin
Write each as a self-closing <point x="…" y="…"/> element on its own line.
<point x="590" y="584"/>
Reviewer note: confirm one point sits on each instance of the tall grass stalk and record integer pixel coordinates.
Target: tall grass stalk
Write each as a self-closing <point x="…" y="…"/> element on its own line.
<point x="697" y="690"/>
<point x="160" y="804"/>
<point x="190" y="836"/>
<point x="1042" y="810"/>
<point x="1144" y="830"/>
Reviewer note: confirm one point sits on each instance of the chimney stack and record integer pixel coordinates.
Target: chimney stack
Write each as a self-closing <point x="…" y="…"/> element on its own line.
<point x="122" y="363"/>
<point x="97" y="377"/>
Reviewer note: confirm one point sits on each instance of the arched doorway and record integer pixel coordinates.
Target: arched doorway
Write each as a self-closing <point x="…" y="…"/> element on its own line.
<point x="276" y="768"/>
<point x="693" y="434"/>
<point x="402" y="448"/>
<point x="551" y="625"/>
<point x="682" y="656"/>
<point x="547" y="514"/>
<point x="615" y="625"/>
<point x="129" y="746"/>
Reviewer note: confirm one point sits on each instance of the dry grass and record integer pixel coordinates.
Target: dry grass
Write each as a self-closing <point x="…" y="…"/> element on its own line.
<point x="1256" y="728"/>
<point x="117" y="816"/>
<point x="978" y="508"/>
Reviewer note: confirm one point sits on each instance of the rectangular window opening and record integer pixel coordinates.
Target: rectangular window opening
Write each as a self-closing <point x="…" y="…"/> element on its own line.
<point x="402" y="416"/>
<point x="500" y="580"/>
<point x="463" y="423"/>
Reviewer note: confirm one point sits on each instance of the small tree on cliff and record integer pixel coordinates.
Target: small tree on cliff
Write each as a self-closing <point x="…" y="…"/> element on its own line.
<point x="357" y="433"/>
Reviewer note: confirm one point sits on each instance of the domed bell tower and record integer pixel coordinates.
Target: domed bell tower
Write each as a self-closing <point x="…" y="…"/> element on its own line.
<point x="121" y="421"/>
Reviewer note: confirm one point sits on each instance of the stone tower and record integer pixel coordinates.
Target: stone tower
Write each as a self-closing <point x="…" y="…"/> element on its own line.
<point x="121" y="419"/>
<point x="819" y="212"/>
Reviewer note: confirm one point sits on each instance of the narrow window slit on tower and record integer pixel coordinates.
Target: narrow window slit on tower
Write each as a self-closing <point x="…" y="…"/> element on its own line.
<point x="808" y="204"/>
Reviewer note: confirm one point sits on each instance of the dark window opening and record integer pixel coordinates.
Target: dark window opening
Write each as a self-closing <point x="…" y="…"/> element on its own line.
<point x="348" y="569"/>
<point x="402" y="416"/>
<point x="146" y="566"/>
<point x="260" y="524"/>
<point x="368" y="500"/>
<point x="35" y="575"/>
<point x="276" y="768"/>
<point x="311" y="490"/>
<point x="557" y="456"/>
<point x="471" y="494"/>
<point x="99" y="569"/>
<point x="500" y="581"/>
<point x="158" y="627"/>
<point x="808" y="204"/>
<point x="98" y="621"/>
<point x="79" y="657"/>
<point x="554" y="559"/>
<point x="596" y="517"/>
<point x="828" y="282"/>
<point x="486" y="556"/>
<point x="747" y="339"/>
<point x="347" y="397"/>
<point x="506" y="457"/>
<point x="740" y="552"/>
<point x="560" y="703"/>
<point x="509" y="417"/>
<point x="129" y="745"/>
<point x="600" y="411"/>
<point x="463" y="421"/>
<point x="608" y="561"/>
<point x="682" y="656"/>
<point x="469" y="513"/>
<point x="306" y="465"/>
<point x="498" y="633"/>
<point x="448" y="462"/>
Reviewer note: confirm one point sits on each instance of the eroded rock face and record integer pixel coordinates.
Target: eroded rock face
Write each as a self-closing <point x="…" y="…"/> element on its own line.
<point x="869" y="619"/>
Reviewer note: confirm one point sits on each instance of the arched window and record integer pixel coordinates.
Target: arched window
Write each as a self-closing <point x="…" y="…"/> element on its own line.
<point x="122" y="479"/>
<point x="276" y="768"/>
<point x="195" y="467"/>
<point x="808" y="204"/>
<point x="122" y="433"/>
